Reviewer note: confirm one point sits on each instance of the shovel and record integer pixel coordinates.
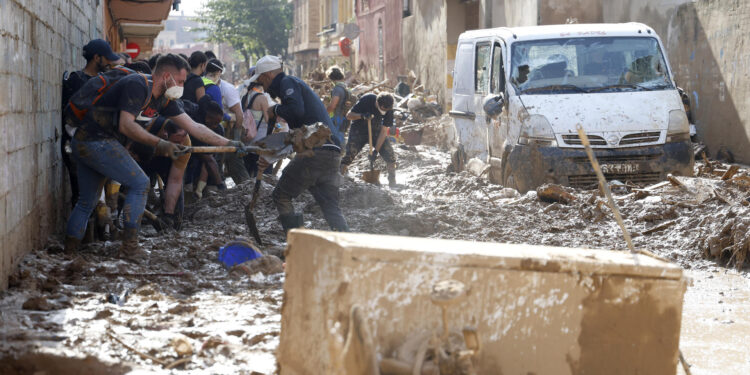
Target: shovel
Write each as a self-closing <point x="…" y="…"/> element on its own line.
<point x="252" y="225"/>
<point x="373" y="175"/>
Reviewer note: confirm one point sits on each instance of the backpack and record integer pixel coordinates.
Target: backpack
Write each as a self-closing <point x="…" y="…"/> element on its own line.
<point x="350" y="99"/>
<point x="89" y="94"/>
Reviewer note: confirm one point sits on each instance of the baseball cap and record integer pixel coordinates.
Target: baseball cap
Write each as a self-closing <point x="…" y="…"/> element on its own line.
<point x="101" y="48"/>
<point x="266" y="64"/>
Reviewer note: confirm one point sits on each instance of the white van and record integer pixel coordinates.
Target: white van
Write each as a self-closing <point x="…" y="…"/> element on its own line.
<point x="612" y="79"/>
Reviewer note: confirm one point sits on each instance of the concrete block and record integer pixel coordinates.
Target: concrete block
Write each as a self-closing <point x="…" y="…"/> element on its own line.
<point x="541" y="310"/>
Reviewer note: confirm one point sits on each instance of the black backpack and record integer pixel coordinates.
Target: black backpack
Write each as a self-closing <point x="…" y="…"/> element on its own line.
<point x="89" y="94"/>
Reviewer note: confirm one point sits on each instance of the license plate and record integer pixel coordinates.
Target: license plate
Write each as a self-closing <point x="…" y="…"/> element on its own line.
<point x="620" y="168"/>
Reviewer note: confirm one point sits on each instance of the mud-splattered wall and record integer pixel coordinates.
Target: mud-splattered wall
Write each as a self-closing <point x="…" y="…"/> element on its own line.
<point x="424" y="44"/>
<point x="707" y="43"/>
<point x="39" y="40"/>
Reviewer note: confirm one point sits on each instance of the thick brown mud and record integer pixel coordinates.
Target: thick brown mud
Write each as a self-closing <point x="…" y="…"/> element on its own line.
<point x="58" y="305"/>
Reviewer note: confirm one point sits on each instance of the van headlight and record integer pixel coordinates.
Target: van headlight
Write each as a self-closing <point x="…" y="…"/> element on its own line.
<point x="679" y="126"/>
<point x="536" y="130"/>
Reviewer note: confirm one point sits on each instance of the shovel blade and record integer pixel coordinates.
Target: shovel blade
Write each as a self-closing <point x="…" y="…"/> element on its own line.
<point x="372" y="177"/>
<point x="252" y="226"/>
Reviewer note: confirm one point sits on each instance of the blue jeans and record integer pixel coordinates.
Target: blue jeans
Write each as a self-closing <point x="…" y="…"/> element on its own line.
<point x="96" y="161"/>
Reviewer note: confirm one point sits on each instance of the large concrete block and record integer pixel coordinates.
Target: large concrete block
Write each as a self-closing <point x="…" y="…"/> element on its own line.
<point x="537" y="310"/>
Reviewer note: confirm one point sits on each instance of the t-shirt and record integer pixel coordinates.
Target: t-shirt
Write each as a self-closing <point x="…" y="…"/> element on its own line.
<point x="192" y="83"/>
<point x="367" y="104"/>
<point x="339" y="91"/>
<point x="229" y="95"/>
<point x="128" y="94"/>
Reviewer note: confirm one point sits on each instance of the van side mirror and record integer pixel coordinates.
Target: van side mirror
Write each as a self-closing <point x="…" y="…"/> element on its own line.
<point x="493" y="105"/>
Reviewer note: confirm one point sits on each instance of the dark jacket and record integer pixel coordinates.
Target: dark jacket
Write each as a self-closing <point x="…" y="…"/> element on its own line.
<point x="300" y="105"/>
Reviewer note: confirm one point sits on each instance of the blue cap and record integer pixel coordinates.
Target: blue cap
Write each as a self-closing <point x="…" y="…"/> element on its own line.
<point x="101" y="48"/>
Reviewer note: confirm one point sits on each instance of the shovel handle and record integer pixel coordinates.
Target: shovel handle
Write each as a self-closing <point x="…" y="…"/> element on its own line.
<point x="369" y="134"/>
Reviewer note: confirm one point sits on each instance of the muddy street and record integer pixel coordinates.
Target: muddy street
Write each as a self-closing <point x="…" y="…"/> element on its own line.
<point x="183" y="309"/>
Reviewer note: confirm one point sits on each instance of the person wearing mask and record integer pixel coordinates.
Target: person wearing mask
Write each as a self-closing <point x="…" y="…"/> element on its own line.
<point x="99" y="154"/>
<point x="99" y="57"/>
<point x="194" y="88"/>
<point x="337" y="106"/>
<point x="230" y="99"/>
<point x="318" y="174"/>
<point x="378" y="109"/>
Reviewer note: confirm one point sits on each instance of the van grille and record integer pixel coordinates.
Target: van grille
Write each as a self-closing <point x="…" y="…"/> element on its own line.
<point x="635" y="138"/>
<point x="572" y="139"/>
<point x="590" y="180"/>
<point x="604" y="159"/>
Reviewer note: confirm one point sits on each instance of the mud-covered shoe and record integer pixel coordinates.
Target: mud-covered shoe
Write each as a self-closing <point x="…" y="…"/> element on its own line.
<point x="130" y="249"/>
<point x="71" y="245"/>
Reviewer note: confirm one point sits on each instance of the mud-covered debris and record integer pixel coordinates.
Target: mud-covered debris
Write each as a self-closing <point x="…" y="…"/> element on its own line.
<point x="476" y="167"/>
<point x="39" y="303"/>
<point x="182" y="346"/>
<point x="182" y="309"/>
<point x="554" y="194"/>
<point x="268" y="265"/>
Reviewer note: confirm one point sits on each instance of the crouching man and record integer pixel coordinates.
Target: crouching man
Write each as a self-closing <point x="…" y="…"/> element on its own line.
<point x="98" y="149"/>
<point x="379" y="110"/>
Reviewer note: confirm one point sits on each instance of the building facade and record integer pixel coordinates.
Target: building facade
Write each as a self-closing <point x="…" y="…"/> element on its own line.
<point x="303" y="38"/>
<point x="380" y="55"/>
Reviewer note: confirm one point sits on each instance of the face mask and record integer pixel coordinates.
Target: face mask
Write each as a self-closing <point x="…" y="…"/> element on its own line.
<point x="382" y="112"/>
<point x="174" y="92"/>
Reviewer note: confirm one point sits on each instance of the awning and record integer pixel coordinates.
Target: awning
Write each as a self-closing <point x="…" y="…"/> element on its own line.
<point x="140" y="21"/>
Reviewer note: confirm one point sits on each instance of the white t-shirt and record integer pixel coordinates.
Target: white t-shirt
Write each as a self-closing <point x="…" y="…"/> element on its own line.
<point x="229" y="94"/>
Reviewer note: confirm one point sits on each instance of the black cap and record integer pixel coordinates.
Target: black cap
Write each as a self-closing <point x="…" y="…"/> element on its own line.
<point x="101" y="48"/>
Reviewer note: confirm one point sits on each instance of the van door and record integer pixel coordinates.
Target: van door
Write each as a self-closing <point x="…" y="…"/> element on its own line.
<point x="463" y="90"/>
<point x="482" y="74"/>
<point x="498" y="128"/>
<point x="470" y="82"/>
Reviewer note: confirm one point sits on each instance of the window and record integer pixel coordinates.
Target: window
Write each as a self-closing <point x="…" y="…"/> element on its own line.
<point x="407" y="8"/>
<point x="365" y="5"/>
<point x="462" y="79"/>
<point x="481" y="68"/>
<point x="592" y="64"/>
<point x="497" y="84"/>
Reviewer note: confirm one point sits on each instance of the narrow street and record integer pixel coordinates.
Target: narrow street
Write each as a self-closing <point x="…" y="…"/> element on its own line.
<point x="58" y="305"/>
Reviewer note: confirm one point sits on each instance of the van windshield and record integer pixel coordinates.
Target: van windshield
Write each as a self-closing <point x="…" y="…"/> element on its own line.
<point x="585" y="65"/>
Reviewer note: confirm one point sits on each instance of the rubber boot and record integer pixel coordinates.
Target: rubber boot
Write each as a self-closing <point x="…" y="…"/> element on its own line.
<point x="291" y="221"/>
<point x="392" y="175"/>
<point x="130" y="249"/>
<point x="71" y="244"/>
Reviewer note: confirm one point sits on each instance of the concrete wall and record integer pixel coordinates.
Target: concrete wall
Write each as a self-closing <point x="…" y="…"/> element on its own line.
<point x="424" y="45"/>
<point x="38" y="41"/>
<point x="708" y="44"/>
<point x="559" y="12"/>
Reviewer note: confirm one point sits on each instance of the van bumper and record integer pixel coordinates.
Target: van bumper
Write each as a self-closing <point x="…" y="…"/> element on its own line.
<point x="531" y="166"/>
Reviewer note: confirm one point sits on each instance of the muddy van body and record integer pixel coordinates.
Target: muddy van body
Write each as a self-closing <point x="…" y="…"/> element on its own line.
<point x="613" y="80"/>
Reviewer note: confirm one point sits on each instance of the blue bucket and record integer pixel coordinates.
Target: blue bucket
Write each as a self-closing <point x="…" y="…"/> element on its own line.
<point x="237" y="252"/>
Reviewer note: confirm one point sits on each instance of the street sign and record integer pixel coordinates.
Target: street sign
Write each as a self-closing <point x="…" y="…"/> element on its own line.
<point x="133" y="49"/>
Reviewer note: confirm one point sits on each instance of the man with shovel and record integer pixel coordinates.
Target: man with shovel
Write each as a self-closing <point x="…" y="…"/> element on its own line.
<point x="318" y="174"/>
<point x="376" y="113"/>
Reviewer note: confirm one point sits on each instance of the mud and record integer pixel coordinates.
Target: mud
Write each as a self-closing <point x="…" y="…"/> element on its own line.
<point x="231" y="319"/>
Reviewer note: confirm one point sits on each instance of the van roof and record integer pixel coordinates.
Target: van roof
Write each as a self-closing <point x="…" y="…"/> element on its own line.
<point x="562" y="31"/>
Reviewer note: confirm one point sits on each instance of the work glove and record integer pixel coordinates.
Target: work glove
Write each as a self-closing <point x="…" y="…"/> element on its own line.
<point x="366" y="116"/>
<point x="241" y="151"/>
<point x="169" y="149"/>
<point x="373" y="156"/>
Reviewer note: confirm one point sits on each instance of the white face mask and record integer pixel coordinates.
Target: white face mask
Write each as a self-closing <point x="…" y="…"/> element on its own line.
<point x="382" y="112"/>
<point x="174" y="92"/>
